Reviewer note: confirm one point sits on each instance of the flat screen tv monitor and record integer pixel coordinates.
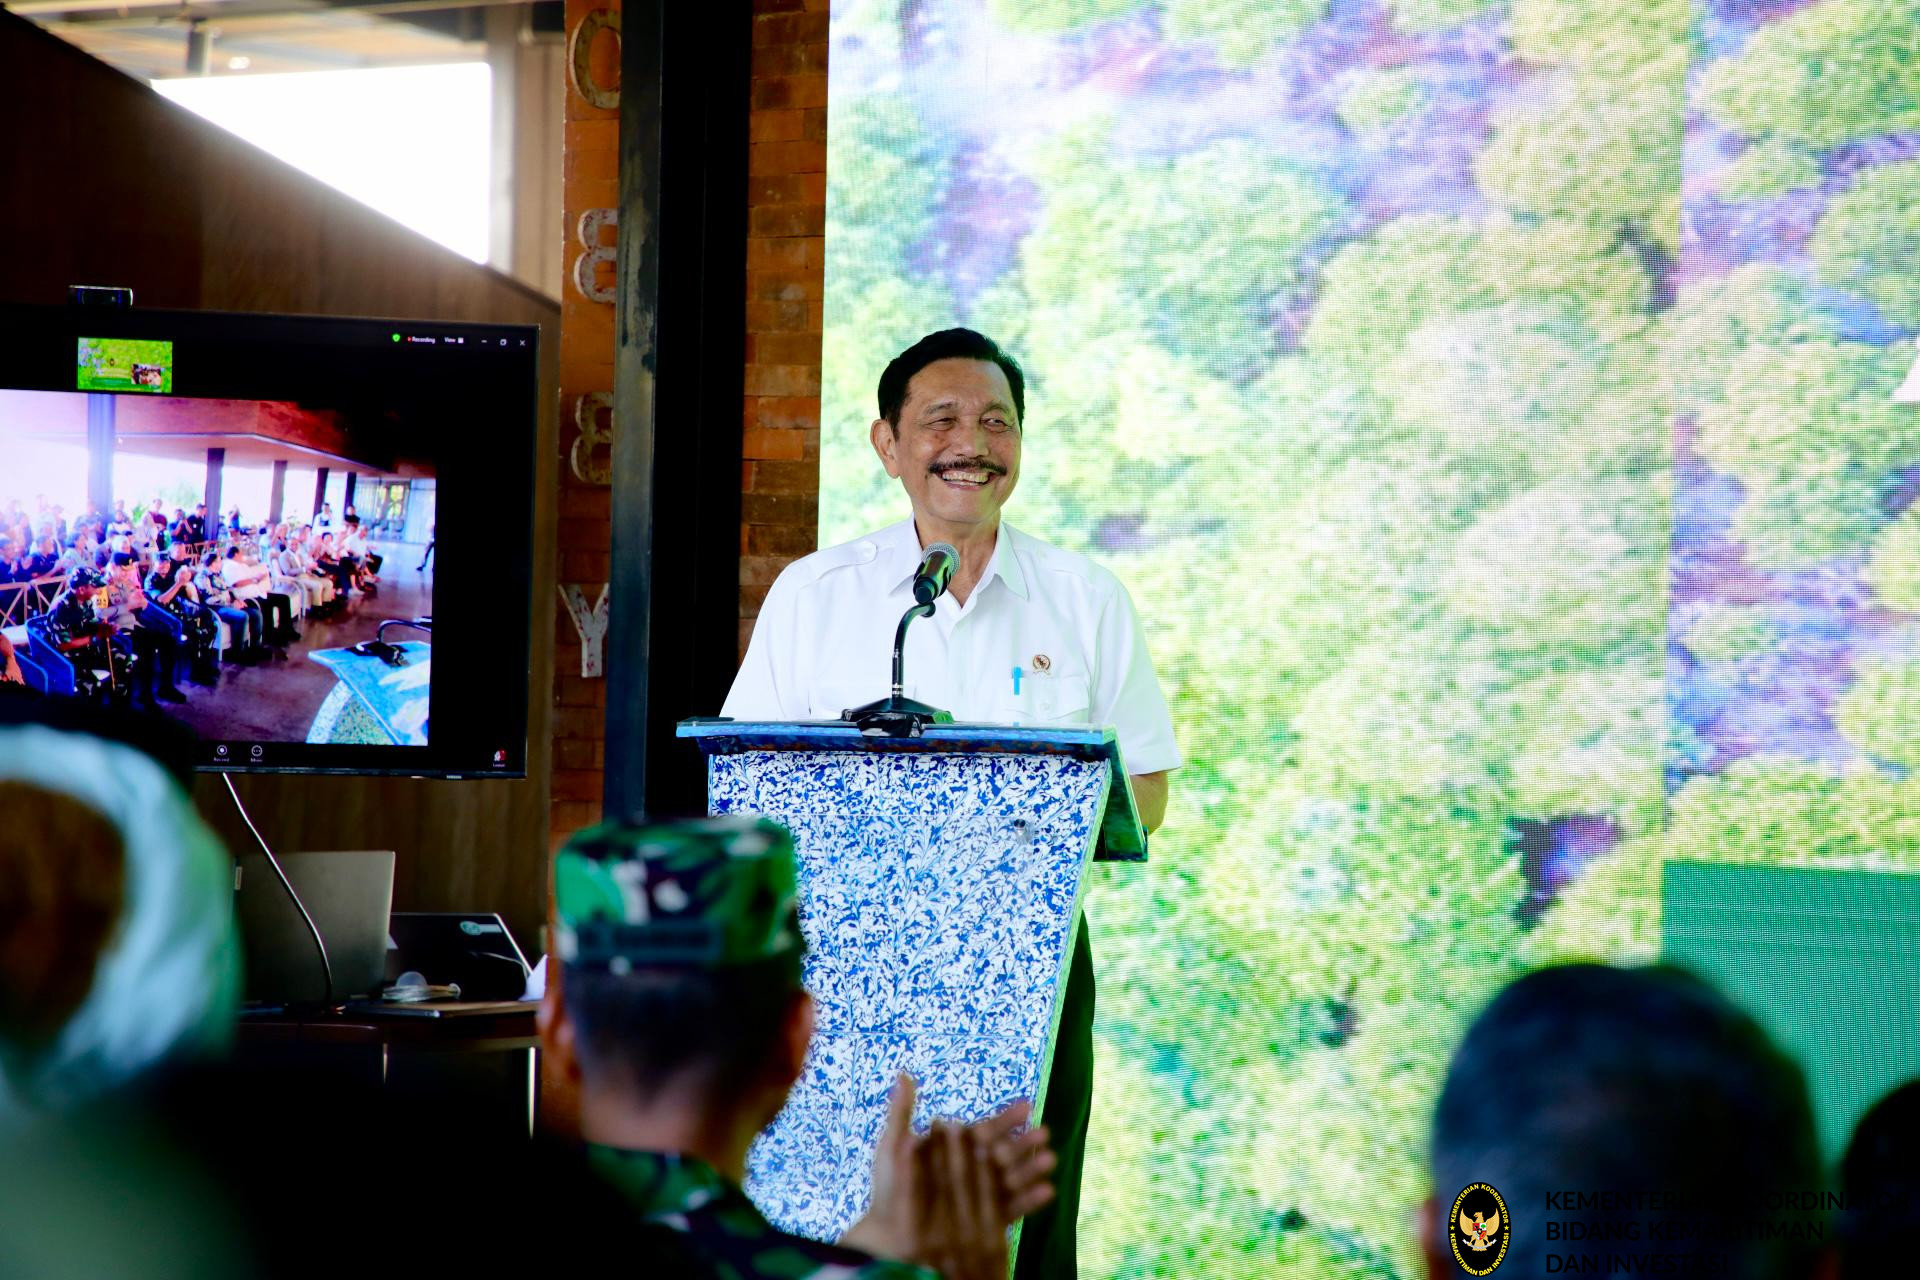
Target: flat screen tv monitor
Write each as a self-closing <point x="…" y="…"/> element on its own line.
<point x="237" y="520"/>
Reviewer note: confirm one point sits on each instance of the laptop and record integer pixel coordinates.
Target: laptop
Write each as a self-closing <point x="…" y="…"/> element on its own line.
<point x="349" y="896"/>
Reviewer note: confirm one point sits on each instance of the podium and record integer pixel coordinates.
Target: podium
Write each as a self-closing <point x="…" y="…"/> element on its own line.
<point x="373" y="702"/>
<point x="940" y="887"/>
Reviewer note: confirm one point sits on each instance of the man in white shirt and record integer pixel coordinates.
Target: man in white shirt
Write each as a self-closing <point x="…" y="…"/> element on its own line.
<point x="1027" y="633"/>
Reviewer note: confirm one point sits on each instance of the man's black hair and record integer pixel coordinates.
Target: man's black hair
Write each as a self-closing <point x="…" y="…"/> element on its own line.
<point x="1588" y="1079"/>
<point x="121" y="559"/>
<point x="948" y="344"/>
<point x="1881" y="1176"/>
<point x="647" y="1027"/>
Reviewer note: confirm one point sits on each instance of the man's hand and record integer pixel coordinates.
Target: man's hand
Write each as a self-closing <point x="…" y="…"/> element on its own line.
<point x="945" y="1200"/>
<point x="891" y="1226"/>
<point x="965" y="1237"/>
<point x="1150" y="797"/>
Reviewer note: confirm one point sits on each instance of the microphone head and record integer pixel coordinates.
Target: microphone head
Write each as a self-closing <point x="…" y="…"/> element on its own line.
<point x="937" y="564"/>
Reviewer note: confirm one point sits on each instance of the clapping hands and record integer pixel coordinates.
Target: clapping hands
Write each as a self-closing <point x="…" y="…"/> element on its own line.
<point x="945" y="1198"/>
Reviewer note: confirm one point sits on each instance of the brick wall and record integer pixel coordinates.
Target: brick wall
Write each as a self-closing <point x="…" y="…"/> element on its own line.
<point x="787" y="196"/>
<point x="786" y="219"/>
<point x="590" y="181"/>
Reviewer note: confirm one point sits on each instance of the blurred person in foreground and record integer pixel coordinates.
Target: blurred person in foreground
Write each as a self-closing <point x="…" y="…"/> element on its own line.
<point x="1881" y="1178"/>
<point x="117" y="964"/>
<point x="131" y="1145"/>
<point x="680" y="1012"/>
<point x="1640" y="1115"/>
<point x="117" y="945"/>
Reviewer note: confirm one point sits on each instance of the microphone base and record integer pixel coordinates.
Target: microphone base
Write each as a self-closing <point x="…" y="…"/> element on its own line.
<point x="895" y="717"/>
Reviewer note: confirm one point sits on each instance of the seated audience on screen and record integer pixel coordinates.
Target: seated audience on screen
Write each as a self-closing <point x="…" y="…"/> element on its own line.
<point x="13" y="560"/>
<point x="327" y="556"/>
<point x="355" y="549"/>
<point x="249" y="580"/>
<point x="245" y="626"/>
<point x="153" y="647"/>
<point x="1589" y="1079"/>
<point x="171" y="586"/>
<point x="272" y="552"/>
<point x="298" y="561"/>
<point x="680" y="1013"/>
<point x="45" y="561"/>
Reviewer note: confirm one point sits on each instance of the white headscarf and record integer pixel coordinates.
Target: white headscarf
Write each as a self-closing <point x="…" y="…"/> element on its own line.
<point x="167" y="982"/>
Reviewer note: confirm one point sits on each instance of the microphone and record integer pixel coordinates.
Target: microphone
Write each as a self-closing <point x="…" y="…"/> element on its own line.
<point x="935" y="572"/>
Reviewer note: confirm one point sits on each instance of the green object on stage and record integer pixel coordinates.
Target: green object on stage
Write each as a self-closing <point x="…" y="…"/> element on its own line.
<point x="1827" y="960"/>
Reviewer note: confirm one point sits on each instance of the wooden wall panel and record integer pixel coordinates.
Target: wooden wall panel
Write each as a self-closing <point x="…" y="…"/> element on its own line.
<point x="104" y="182"/>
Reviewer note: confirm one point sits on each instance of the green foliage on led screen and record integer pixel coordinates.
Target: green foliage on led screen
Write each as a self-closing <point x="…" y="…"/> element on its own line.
<point x="1835" y="71"/>
<point x="1875" y="222"/>
<point x="1241" y="30"/>
<point x="1058" y="15"/>
<point x="1894" y="569"/>
<point x="1393" y="493"/>
<point x="1379" y="99"/>
<point x="1769" y="169"/>
<point x="1877" y="713"/>
<point x="1810" y="430"/>
<point x="1771" y="810"/>
<point x="1433" y="15"/>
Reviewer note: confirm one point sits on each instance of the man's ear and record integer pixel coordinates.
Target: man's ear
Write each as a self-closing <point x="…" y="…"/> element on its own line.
<point x="1433" y="1250"/>
<point x="556" y="1028"/>
<point x="796" y="1036"/>
<point x="886" y="443"/>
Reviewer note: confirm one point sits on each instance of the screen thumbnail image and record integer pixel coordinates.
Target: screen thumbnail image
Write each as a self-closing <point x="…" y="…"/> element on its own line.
<point x="125" y="364"/>
<point x="259" y="570"/>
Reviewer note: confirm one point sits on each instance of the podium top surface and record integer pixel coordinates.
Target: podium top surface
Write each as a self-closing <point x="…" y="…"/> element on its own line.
<point x="720" y="737"/>
<point x="1122" y="838"/>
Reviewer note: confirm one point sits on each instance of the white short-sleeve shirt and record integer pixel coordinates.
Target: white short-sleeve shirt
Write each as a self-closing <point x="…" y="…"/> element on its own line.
<point x="1047" y="637"/>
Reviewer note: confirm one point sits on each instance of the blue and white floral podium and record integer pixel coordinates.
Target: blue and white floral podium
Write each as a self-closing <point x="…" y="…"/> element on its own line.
<point x="940" y="882"/>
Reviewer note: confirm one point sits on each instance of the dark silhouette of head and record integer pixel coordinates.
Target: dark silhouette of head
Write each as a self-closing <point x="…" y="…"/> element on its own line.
<point x="1881" y="1178"/>
<point x="1590" y="1079"/>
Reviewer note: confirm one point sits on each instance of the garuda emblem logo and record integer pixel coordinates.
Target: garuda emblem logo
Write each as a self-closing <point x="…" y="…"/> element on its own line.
<point x="1480" y="1232"/>
<point x="1480" y="1227"/>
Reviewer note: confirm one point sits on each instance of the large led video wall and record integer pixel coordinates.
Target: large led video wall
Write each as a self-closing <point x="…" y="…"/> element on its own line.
<point x="1489" y="407"/>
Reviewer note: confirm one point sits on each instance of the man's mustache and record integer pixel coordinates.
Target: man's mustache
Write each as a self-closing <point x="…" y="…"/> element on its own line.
<point x="992" y="468"/>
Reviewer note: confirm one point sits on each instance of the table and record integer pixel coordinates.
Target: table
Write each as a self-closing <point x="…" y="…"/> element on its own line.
<point x="485" y="1064"/>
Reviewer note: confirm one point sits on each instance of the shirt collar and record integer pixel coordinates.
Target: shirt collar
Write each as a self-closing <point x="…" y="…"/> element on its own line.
<point x="899" y="556"/>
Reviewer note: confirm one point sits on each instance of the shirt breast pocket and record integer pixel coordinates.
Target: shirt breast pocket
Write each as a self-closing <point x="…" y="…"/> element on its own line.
<point x="1058" y="699"/>
<point x="828" y="703"/>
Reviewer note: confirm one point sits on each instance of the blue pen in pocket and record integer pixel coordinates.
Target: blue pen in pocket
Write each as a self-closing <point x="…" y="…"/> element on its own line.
<point x="1016" y="682"/>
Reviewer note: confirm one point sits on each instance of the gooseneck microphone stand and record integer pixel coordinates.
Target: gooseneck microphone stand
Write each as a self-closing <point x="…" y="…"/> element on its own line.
<point x="898" y="716"/>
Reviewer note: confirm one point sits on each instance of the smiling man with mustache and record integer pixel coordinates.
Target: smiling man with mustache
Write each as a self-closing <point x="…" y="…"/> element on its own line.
<point x="1027" y="633"/>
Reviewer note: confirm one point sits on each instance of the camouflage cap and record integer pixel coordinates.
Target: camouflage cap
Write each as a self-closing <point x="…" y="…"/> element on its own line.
<point x="706" y="893"/>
